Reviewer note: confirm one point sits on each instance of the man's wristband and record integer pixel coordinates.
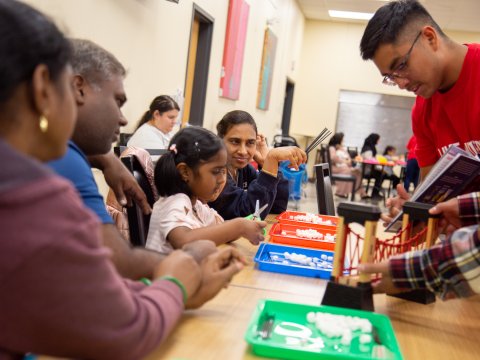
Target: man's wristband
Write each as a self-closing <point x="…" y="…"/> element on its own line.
<point x="146" y="281"/>
<point x="178" y="283"/>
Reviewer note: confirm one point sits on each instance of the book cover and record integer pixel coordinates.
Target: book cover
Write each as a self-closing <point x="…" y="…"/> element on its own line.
<point x="456" y="172"/>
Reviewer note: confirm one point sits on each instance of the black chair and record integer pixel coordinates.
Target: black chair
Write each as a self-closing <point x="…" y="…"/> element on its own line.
<point x="337" y="177"/>
<point x="123" y="139"/>
<point x="352" y="151"/>
<point x="325" y="203"/>
<point x="138" y="222"/>
<point x="284" y="140"/>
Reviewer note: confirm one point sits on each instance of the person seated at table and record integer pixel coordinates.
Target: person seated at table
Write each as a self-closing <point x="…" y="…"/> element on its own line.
<point x="99" y="95"/>
<point x="192" y="173"/>
<point x="342" y="164"/>
<point x="245" y="185"/>
<point x="412" y="171"/>
<point x="390" y="154"/>
<point x="369" y="151"/>
<point x="60" y="293"/>
<point x="451" y="268"/>
<point x="154" y="130"/>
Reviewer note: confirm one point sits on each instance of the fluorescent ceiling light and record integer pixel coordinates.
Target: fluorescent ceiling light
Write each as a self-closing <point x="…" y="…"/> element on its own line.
<point x="350" y="15"/>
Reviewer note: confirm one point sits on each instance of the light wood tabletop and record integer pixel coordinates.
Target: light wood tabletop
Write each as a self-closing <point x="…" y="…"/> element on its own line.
<point x="442" y="330"/>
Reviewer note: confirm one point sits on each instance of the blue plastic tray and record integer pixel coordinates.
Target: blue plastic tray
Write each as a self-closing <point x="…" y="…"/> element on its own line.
<point x="270" y="257"/>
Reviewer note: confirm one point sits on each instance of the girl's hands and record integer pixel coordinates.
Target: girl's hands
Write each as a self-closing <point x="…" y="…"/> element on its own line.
<point x="253" y="230"/>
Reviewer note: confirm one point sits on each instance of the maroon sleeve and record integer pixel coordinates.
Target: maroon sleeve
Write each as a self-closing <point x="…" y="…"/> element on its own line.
<point x="61" y="295"/>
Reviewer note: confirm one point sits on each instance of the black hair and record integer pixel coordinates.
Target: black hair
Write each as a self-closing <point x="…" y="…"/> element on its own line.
<point x="336" y="139"/>
<point x="27" y="39"/>
<point x="370" y="143"/>
<point x="389" y="148"/>
<point x="191" y="145"/>
<point x="162" y="103"/>
<point x="233" y="118"/>
<point x="389" y="23"/>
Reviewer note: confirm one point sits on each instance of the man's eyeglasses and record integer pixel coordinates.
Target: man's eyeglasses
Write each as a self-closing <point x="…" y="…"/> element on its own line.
<point x="389" y="79"/>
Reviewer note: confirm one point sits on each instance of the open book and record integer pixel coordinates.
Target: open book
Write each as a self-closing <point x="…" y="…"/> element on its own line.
<point x="456" y="172"/>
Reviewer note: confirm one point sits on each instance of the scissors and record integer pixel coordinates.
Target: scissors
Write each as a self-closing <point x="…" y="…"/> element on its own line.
<point x="258" y="211"/>
<point x="256" y="214"/>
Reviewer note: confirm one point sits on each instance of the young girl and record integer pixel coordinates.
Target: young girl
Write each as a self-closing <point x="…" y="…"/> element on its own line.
<point x="390" y="154"/>
<point x="155" y="127"/>
<point x="192" y="173"/>
<point x="244" y="184"/>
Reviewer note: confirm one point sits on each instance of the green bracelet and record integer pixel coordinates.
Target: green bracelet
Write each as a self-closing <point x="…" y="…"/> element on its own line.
<point x="178" y="283"/>
<point x="146" y="281"/>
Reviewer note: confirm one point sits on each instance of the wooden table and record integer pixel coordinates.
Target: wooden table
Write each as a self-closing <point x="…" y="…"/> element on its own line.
<point x="442" y="330"/>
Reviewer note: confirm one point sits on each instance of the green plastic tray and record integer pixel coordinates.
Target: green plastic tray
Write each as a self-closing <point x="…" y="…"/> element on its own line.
<point x="276" y="345"/>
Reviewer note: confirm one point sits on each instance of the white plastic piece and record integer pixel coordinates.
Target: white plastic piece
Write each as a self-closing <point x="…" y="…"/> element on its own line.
<point x="365" y="339"/>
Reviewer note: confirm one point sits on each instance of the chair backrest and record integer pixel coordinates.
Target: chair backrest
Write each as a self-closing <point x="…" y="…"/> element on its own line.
<point x="326" y="155"/>
<point x="284" y="140"/>
<point x="352" y="151"/>
<point x="325" y="202"/>
<point x="137" y="221"/>
<point x="123" y="139"/>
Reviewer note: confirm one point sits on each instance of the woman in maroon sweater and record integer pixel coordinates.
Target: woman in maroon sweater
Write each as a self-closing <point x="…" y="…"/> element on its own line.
<point x="60" y="294"/>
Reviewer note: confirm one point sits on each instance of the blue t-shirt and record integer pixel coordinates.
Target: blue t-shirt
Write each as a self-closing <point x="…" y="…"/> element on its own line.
<point x="75" y="167"/>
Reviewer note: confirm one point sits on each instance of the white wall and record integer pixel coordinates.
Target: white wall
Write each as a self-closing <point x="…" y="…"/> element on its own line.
<point x="331" y="61"/>
<point x="151" y="37"/>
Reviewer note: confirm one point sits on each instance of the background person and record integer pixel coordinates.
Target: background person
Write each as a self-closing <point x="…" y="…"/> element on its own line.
<point x="191" y="174"/>
<point x="154" y="130"/>
<point x="411" y="51"/>
<point x="245" y="185"/>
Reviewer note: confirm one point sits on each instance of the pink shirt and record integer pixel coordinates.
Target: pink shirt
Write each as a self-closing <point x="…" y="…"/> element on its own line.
<point x="175" y="211"/>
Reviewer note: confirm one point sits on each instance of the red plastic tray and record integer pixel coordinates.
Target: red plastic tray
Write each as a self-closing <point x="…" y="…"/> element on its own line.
<point x="284" y="218"/>
<point x="291" y="238"/>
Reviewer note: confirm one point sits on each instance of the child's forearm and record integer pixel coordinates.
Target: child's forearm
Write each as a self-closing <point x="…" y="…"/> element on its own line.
<point x="220" y="233"/>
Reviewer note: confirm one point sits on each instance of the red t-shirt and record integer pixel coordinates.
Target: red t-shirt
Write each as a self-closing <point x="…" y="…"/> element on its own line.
<point x="411" y="147"/>
<point x="452" y="117"/>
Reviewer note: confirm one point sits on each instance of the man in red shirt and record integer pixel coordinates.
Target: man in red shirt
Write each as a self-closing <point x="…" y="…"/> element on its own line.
<point x="412" y="52"/>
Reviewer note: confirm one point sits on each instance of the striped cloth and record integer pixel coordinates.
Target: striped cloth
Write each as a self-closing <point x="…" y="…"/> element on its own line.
<point x="450" y="269"/>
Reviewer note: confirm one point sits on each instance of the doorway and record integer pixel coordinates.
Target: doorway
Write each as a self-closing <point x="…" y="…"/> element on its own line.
<point x="197" y="67"/>
<point x="287" y="107"/>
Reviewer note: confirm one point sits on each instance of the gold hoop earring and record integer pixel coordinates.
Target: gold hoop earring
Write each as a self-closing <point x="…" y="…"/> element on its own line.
<point x="43" y="124"/>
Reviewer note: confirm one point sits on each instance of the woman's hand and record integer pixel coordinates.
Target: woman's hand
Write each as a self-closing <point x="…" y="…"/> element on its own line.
<point x="262" y="150"/>
<point x="295" y="155"/>
<point x="217" y="271"/>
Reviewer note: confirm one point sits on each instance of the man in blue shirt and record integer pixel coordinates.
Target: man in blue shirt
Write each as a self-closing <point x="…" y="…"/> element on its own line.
<point x="99" y="93"/>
